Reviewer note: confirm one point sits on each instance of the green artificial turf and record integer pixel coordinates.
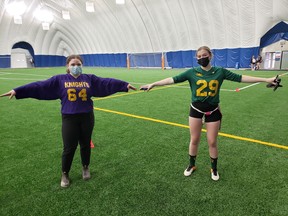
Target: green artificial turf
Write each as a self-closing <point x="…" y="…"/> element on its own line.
<point x="137" y="164"/>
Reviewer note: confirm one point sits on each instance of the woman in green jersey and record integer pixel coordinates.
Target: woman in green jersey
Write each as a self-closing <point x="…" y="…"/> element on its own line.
<point x="205" y="82"/>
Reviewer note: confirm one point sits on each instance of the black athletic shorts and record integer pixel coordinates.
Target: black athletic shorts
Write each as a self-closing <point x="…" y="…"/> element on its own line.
<point x="205" y="107"/>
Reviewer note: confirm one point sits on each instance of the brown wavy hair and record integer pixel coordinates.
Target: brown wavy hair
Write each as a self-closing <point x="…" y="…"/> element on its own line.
<point x="69" y="58"/>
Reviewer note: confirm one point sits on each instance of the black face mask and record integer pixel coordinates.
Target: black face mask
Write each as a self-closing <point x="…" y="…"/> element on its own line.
<point x="203" y="61"/>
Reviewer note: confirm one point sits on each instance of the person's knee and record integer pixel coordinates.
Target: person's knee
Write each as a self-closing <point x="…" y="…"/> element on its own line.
<point x="212" y="143"/>
<point x="194" y="141"/>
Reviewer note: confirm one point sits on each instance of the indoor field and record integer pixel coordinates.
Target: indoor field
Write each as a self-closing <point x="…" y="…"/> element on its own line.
<point x="141" y="141"/>
<point x="143" y="107"/>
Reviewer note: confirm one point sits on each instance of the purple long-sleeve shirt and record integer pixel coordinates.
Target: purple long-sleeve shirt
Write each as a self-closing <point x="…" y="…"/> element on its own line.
<point x="75" y="93"/>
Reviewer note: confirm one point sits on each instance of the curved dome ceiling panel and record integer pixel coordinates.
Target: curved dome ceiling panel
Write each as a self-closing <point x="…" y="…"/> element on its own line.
<point x="141" y="25"/>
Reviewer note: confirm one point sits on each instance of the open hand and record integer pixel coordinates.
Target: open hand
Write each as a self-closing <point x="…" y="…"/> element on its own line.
<point x="11" y="94"/>
<point x="147" y="87"/>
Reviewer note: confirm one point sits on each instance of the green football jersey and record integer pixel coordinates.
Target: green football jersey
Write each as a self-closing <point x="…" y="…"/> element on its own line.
<point x="205" y="85"/>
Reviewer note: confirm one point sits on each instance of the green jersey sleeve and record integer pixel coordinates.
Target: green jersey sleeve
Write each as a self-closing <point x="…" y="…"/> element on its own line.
<point x="182" y="77"/>
<point x="229" y="75"/>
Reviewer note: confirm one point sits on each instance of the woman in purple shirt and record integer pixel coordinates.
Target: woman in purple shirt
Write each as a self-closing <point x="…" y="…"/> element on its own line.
<point x="75" y="90"/>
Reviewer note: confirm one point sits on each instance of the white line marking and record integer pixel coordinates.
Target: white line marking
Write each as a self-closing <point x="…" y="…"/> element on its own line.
<point x="24" y="74"/>
<point x="16" y="79"/>
<point x="249" y="86"/>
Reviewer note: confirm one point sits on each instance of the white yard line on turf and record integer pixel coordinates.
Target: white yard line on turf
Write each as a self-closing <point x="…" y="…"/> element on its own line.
<point x="1" y="78"/>
<point x="24" y="74"/>
<point x="283" y="74"/>
<point x="240" y="89"/>
<point x="37" y="75"/>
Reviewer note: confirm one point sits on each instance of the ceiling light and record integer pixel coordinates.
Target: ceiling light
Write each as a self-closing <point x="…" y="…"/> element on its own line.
<point x="18" y="19"/>
<point x="16" y="8"/>
<point x="120" y="1"/>
<point x="66" y="15"/>
<point x="45" y="26"/>
<point x="90" y="6"/>
<point x="43" y="16"/>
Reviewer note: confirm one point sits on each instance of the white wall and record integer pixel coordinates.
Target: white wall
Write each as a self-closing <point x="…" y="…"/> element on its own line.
<point x="18" y="60"/>
<point x="278" y="46"/>
<point x="272" y="53"/>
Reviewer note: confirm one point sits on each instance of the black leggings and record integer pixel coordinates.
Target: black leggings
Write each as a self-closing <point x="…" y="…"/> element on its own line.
<point x="76" y="128"/>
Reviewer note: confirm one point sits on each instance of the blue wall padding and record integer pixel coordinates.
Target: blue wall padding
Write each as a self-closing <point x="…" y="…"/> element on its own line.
<point x="187" y="56"/>
<point x="49" y="61"/>
<point x="176" y="59"/>
<point x="233" y="56"/>
<point x="105" y="60"/>
<point x="221" y="57"/>
<point x="5" y="61"/>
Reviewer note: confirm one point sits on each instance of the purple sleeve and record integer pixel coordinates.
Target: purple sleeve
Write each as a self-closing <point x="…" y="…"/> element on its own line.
<point x="41" y="90"/>
<point x="102" y="87"/>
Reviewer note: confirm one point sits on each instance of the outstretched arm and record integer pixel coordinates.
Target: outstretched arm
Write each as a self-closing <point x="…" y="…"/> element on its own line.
<point x="102" y="87"/>
<point x="41" y="90"/>
<point x="251" y="79"/>
<point x="166" y="81"/>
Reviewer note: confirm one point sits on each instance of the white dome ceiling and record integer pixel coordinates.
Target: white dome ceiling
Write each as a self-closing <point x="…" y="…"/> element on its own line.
<point x="141" y="25"/>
